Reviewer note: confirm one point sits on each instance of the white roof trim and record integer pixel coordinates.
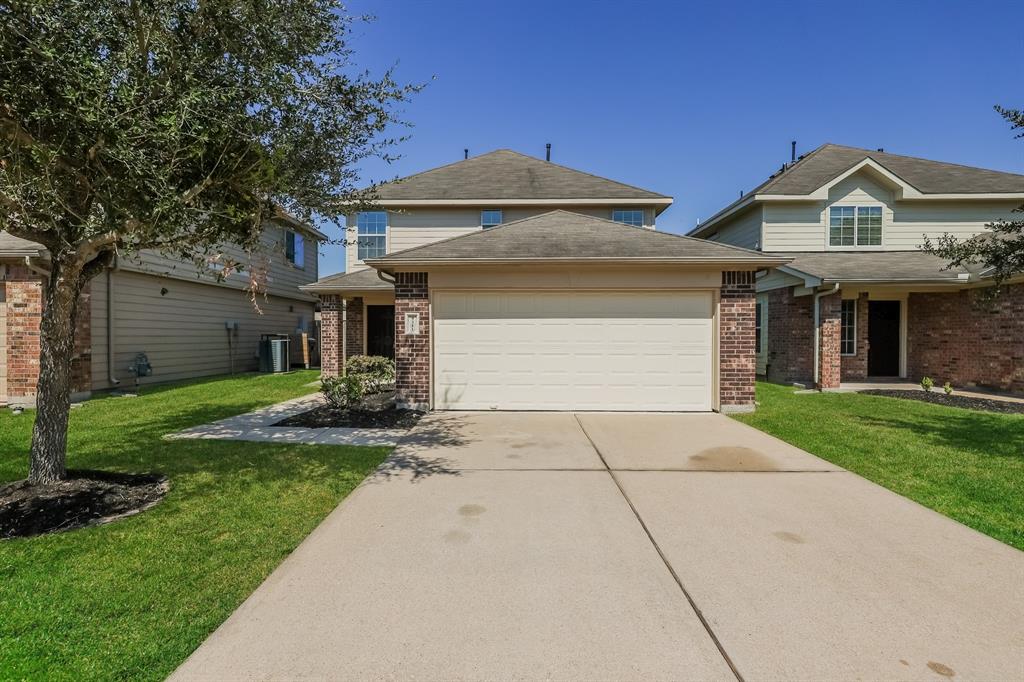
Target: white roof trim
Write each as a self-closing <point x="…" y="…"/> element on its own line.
<point x="651" y="201"/>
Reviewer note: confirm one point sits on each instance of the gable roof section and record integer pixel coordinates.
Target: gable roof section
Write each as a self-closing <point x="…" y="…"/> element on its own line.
<point x="830" y="162"/>
<point x="827" y="267"/>
<point x="505" y="175"/>
<point x="359" y="280"/>
<point x="562" y="236"/>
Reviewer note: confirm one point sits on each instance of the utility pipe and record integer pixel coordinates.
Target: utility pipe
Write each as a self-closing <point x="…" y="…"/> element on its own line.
<point x="817" y="331"/>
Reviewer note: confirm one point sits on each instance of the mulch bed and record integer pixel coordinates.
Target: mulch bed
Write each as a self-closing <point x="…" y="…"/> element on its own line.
<point x="954" y="400"/>
<point x="378" y="411"/>
<point x="85" y="498"/>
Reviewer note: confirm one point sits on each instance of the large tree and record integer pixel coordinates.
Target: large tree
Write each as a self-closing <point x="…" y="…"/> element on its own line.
<point x="1001" y="249"/>
<point x="176" y="125"/>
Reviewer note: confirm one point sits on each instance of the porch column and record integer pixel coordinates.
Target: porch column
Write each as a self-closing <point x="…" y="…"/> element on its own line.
<point x="829" y="364"/>
<point x="331" y="309"/>
<point x="737" y="357"/>
<point x="412" y="340"/>
<point x="354" y="337"/>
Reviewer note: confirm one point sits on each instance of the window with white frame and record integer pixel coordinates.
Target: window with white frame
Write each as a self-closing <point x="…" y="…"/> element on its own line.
<point x="371" y="234"/>
<point x="848" y="327"/>
<point x="758" y="325"/>
<point x="629" y="216"/>
<point x="295" y="249"/>
<point x="855" y="226"/>
<point x="490" y="217"/>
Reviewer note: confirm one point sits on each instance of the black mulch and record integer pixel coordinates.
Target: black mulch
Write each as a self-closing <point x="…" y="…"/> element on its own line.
<point x="954" y="400"/>
<point x="85" y="498"/>
<point x="377" y="411"/>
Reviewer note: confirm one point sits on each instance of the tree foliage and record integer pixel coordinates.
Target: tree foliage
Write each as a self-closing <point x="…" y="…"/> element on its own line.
<point x="177" y="125"/>
<point x="1000" y="251"/>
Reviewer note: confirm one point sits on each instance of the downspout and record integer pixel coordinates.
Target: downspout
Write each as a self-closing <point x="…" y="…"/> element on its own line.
<point x="115" y="266"/>
<point x="817" y="331"/>
<point x="35" y="268"/>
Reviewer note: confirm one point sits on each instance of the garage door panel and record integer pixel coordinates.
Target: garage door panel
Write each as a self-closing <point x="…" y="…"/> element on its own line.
<point x="572" y="350"/>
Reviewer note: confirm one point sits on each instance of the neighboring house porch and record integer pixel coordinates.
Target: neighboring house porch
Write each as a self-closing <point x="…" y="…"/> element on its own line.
<point x="885" y="316"/>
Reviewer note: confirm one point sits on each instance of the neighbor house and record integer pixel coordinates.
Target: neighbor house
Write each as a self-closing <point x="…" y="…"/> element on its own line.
<point x="504" y="281"/>
<point x="851" y="222"/>
<point x="183" y="320"/>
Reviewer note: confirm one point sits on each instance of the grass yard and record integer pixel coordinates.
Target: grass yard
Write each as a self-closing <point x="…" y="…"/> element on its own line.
<point x="967" y="465"/>
<point x="132" y="599"/>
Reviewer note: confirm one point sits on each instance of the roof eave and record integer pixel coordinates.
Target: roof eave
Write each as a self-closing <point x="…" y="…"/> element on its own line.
<point x="384" y="263"/>
<point x="662" y="202"/>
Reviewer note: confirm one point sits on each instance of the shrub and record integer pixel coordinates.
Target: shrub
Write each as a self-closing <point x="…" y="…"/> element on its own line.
<point x="376" y="372"/>
<point x="948" y="388"/>
<point x="342" y="392"/>
<point x="927" y="383"/>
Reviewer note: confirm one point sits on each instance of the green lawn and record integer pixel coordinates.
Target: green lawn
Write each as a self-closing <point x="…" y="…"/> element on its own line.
<point x="965" y="464"/>
<point x="133" y="598"/>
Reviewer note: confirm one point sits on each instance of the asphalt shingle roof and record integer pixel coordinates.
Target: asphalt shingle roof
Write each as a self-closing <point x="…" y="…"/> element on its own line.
<point x="505" y="174"/>
<point x="362" y="280"/>
<point x="562" y="235"/>
<point x="875" y="266"/>
<point x="16" y="246"/>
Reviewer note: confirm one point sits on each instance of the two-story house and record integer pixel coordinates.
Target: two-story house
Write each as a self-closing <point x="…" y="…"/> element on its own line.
<point x="858" y="298"/>
<point x="187" y="321"/>
<point x="504" y="281"/>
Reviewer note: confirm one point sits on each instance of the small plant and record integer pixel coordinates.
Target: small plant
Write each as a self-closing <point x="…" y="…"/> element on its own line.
<point x="927" y="384"/>
<point x="343" y="392"/>
<point x="377" y="373"/>
<point x="948" y="388"/>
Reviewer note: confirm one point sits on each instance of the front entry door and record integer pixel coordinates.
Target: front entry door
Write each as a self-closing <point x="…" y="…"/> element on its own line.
<point x="380" y="330"/>
<point x="884" y="338"/>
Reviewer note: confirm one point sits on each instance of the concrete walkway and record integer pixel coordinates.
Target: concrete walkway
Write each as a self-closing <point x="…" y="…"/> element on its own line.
<point x="624" y="546"/>
<point x="259" y="426"/>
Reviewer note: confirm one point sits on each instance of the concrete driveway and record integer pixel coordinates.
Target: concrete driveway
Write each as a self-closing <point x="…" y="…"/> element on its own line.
<point x="625" y="546"/>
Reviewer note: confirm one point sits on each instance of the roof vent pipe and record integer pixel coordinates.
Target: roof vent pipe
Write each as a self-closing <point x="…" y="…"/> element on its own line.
<point x="465" y="153"/>
<point x="547" y="156"/>
<point x="792" y="151"/>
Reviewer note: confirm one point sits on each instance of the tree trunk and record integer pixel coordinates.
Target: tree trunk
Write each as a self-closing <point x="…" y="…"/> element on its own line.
<point x="48" y="455"/>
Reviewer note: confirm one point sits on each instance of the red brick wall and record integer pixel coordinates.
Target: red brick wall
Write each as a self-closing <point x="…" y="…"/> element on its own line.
<point x="953" y="337"/>
<point x="855" y="367"/>
<point x="24" y="293"/>
<point x="790" y="337"/>
<point x="412" y="352"/>
<point x="330" y="335"/>
<point x="737" y="359"/>
<point x="354" y="327"/>
<point x="830" y="318"/>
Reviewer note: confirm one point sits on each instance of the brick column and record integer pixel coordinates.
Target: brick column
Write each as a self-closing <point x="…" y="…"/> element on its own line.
<point x="330" y="335"/>
<point x="736" y="351"/>
<point x="829" y="363"/>
<point x="24" y="310"/>
<point x="354" y="328"/>
<point x="412" y="350"/>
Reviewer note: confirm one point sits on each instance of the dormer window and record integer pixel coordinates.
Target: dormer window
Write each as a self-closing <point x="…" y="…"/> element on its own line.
<point x="629" y="216"/>
<point x="855" y="226"/>
<point x="490" y="217"/>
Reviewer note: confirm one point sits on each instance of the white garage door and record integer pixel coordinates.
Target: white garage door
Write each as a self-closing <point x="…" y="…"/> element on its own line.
<point x="573" y="350"/>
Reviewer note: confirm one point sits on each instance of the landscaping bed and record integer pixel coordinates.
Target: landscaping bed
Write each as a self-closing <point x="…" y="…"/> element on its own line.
<point x="375" y="411"/>
<point x="85" y="498"/>
<point x="961" y="401"/>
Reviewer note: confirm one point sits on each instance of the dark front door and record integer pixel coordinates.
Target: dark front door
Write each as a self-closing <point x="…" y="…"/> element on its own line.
<point x="884" y="338"/>
<point x="380" y="330"/>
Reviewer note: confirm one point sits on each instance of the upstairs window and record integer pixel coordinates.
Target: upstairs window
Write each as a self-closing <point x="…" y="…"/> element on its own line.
<point x="848" y="327"/>
<point x="490" y="217"/>
<point x="628" y="216"/>
<point x="855" y="226"/>
<point x="295" y="249"/>
<point x="371" y="234"/>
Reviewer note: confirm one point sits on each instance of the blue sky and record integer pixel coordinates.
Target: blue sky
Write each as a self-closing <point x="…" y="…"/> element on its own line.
<point x="697" y="102"/>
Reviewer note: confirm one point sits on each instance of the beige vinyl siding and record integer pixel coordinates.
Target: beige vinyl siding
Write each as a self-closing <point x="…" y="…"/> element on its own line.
<point x="284" y="278"/>
<point x="183" y="331"/>
<point x="3" y="343"/>
<point x="742" y="230"/>
<point x="803" y="225"/>
<point x="412" y="227"/>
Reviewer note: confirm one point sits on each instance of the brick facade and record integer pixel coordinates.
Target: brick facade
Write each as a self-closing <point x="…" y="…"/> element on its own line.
<point x="24" y="300"/>
<point x="831" y="331"/>
<point x="954" y="337"/>
<point x="354" y="338"/>
<point x="855" y="367"/>
<point x="789" y="336"/>
<point x="737" y="358"/>
<point x="412" y="351"/>
<point x="330" y="335"/>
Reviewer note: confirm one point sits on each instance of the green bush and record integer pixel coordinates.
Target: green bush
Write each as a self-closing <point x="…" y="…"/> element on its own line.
<point x="948" y="388"/>
<point x="927" y="384"/>
<point x="343" y="392"/>
<point x="376" y="372"/>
